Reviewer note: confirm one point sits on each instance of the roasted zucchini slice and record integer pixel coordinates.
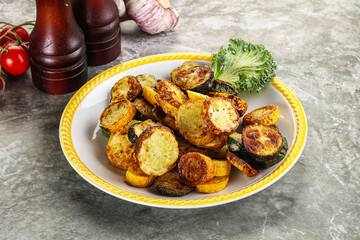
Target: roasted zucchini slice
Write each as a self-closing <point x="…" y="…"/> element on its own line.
<point x="162" y="117"/>
<point x="235" y="145"/>
<point x="171" y="93"/>
<point x="191" y="124"/>
<point x="117" y="115"/>
<point x="267" y="115"/>
<point x="150" y="94"/>
<point x="222" y="167"/>
<point x="198" y="78"/>
<point x="127" y="87"/>
<point x="266" y="163"/>
<point x="144" y="109"/>
<point x="220" y="115"/>
<point x="170" y="184"/>
<point x="195" y="168"/>
<point x="120" y="150"/>
<point x="136" y="129"/>
<point x="261" y="141"/>
<point x="219" y="153"/>
<point x="166" y="107"/>
<point x="214" y="185"/>
<point x="185" y="65"/>
<point x="147" y="80"/>
<point x="135" y="177"/>
<point x="157" y="150"/>
<point x="242" y="165"/>
<point x="237" y="102"/>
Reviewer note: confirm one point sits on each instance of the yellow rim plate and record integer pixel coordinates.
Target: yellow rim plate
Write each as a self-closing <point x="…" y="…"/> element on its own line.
<point x="70" y="152"/>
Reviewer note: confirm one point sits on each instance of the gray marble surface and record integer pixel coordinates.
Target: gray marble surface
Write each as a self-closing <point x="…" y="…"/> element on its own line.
<point x="317" y="48"/>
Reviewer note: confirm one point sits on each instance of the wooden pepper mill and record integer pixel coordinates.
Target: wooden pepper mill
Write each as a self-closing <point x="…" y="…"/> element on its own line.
<point x="57" y="48"/>
<point x="99" y="19"/>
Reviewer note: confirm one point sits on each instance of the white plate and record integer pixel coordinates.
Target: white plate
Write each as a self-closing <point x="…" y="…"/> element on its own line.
<point x="85" y="147"/>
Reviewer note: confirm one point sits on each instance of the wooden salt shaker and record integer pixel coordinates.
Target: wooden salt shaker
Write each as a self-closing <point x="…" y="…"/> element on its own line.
<point x="57" y="48"/>
<point x="99" y="19"/>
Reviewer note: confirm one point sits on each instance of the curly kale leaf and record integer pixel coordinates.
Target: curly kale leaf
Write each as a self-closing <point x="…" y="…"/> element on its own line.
<point x="243" y="65"/>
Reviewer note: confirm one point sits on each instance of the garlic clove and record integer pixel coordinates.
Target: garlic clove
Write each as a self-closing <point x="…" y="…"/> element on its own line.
<point x="152" y="16"/>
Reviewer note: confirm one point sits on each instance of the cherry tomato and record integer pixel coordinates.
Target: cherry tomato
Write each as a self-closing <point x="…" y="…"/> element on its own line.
<point x="20" y="31"/>
<point x="16" y="61"/>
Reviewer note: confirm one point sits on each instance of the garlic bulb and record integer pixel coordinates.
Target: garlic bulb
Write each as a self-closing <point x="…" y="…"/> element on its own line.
<point x="152" y="16"/>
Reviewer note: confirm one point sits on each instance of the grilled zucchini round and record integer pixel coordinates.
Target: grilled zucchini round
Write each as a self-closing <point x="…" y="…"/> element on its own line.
<point x="147" y="80"/>
<point x="150" y="94"/>
<point x="157" y="150"/>
<point x="261" y="141"/>
<point x="170" y="184"/>
<point x="195" y="168"/>
<point x="185" y="65"/>
<point x="267" y="115"/>
<point x="198" y="78"/>
<point x="127" y="87"/>
<point x="220" y="115"/>
<point x="117" y="115"/>
<point x="237" y="102"/>
<point x="191" y="124"/>
<point x="120" y="150"/>
<point x="218" y="142"/>
<point x="135" y="177"/>
<point x="171" y="93"/>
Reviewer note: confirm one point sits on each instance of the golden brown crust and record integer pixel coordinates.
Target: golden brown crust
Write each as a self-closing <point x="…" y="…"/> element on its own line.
<point x="222" y="167"/>
<point x="218" y="142"/>
<point x="137" y="178"/>
<point x="144" y="107"/>
<point x="185" y="65"/>
<point x="193" y="77"/>
<point x="241" y="164"/>
<point x="120" y="151"/>
<point x="237" y="102"/>
<point x="262" y="140"/>
<point x="185" y="147"/>
<point x="127" y="87"/>
<point x="195" y="168"/>
<point x="220" y="115"/>
<point x="171" y="93"/>
<point x="157" y="150"/>
<point x="166" y="107"/>
<point x="117" y="115"/>
<point x="216" y="184"/>
<point x="191" y="124"/>
<point x="165" y="119"/>
<point x="266" y="115"/>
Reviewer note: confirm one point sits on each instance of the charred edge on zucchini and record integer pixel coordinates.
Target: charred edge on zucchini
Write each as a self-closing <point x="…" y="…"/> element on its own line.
<point x="115" y="116"/>
<point x="242" y="165"/>
<point x="165" y="119"/>
<point x="185" y="65"/>
<point x="240" y="105"/>
<point x="198" y="78"/>
<point x="266" y="163"/>
<point x="185" y="147"/>
<point x="223" y="87"/>
<point x="147" y="80"/>
<point x="120" y="151"/>
<point x="171" y="93"/>
<point x="195" y="168"/>
<point x="144" y="109"/>
<point x="136" y="129"/>
<point x="127" y="87"/>
<point x="261" y="141"/>
<point x="218" y="142"/>
<point x="157" y="150"/>
<point x="220" y="115"/>
<point x="267" y="115"/>
<point x="191" y="125"/>
<point x="170" y="184"/>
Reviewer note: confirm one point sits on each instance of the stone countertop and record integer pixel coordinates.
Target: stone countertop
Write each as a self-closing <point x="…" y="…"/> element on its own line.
<point x="317" y="48"/>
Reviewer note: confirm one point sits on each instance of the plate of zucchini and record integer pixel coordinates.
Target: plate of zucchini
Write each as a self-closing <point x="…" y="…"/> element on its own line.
<point x="163" y="131"/>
